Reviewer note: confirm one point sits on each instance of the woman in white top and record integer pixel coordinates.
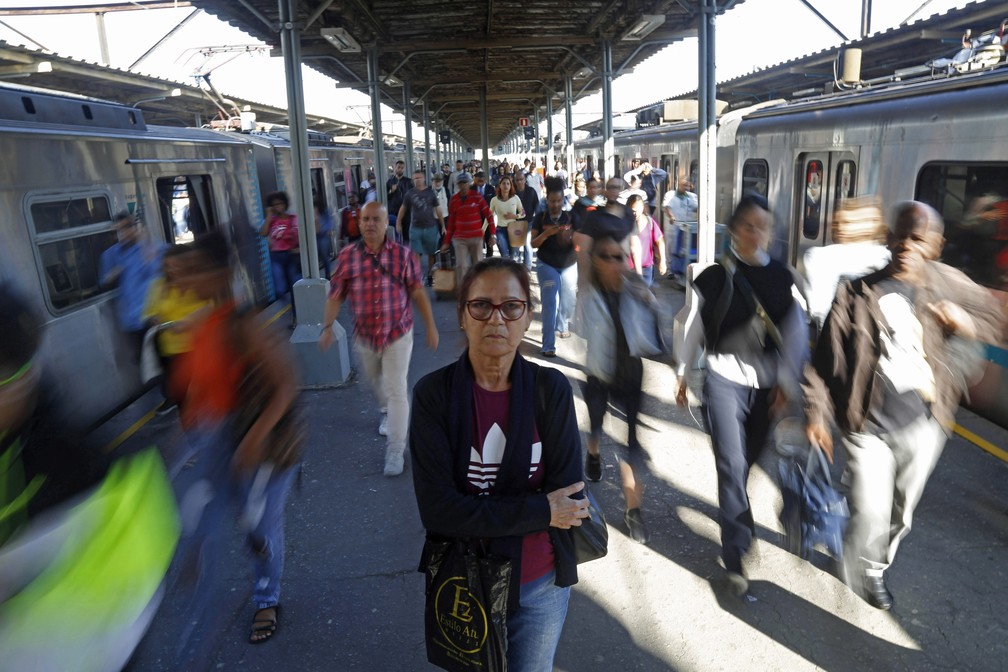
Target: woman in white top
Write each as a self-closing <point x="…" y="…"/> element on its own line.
<point x="506" y="207"/>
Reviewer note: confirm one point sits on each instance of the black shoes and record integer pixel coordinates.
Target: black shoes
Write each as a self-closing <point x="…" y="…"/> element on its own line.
<point x="876" y="593"/>
<point x="593" y="468"/>
<point x="635" y="525"/>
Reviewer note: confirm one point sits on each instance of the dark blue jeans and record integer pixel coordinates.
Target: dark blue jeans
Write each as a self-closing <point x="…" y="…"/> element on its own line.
<point x="738" y="419"/>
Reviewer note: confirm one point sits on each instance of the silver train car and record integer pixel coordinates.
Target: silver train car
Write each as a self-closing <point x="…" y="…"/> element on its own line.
<point x="942" y="141"/>
<point x="71" y="163"/>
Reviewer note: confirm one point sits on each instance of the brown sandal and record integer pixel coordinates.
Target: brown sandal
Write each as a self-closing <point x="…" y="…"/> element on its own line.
<point x="264" y="624"/>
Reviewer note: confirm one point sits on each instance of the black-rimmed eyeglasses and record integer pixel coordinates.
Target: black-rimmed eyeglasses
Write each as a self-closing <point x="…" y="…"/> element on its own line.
<point x="510" y="310"/>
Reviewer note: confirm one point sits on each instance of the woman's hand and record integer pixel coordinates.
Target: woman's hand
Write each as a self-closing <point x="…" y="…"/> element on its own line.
<point x="819" y="435"/>
<point x="564" y="511"/>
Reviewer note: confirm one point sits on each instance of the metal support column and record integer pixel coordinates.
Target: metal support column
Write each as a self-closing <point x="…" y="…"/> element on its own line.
<point x="408" y="113"/>
<point x="426" y="141"/>
<point x="374" y="86"/>
<point x="549" y="133"/>
<point x="301" y="197"/>
<point x="568" y="103"/>
<point x="484" y="131"/>
<point x="535" y="147"/>
<point x="707" y="130"/>
<point x="102" y="38"/>
<point x="608" y="145"/>
<point x="865" y="17"/>
<point x="309" y="295"/>
<point x="437" y="144"/>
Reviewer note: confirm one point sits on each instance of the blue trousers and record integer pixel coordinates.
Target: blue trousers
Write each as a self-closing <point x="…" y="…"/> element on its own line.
<point x="558" y="290"/>
<point x="738" y="419"/>
<point x="504" y="244"/>
<point x="534" y="629"/>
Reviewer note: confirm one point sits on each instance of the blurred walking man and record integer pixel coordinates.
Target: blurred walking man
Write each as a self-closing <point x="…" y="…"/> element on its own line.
<point x="885" y="367"/>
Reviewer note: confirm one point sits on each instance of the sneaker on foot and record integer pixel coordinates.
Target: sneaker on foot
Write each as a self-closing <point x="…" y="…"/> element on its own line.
<point x="383" y="426"/>
<point x="635" y="525"/>
<point x="738" y="583"/>
<point x="393" y="465"/>
<point x="593" y="468"/>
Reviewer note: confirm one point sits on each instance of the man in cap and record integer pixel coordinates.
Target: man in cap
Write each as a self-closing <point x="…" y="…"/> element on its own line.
<point x="467" y="211"/>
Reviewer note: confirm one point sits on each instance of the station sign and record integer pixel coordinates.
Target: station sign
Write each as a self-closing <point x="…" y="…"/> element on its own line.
<point x="529" y="133"/>
<point x="524" y="122"/>
<point x="445" y="137"/>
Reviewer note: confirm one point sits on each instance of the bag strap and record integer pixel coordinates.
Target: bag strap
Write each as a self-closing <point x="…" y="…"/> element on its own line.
<point x="376" y="263"/>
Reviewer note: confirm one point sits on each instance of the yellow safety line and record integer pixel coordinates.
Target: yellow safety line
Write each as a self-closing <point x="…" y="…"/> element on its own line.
<point x="135" y="427"/>
<point x="981" y="442"/>
<point x="277" y="316"/>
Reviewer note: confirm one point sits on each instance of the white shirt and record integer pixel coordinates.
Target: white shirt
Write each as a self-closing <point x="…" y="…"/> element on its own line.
<point x="826" y="266"/>
<point x="683" y="206"/>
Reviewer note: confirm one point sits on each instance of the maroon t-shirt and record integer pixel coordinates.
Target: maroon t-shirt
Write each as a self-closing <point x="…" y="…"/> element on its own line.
<point x="490" y="425"/>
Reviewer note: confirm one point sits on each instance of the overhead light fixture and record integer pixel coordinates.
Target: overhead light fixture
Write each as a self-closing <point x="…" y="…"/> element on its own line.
<point x="583" y="72"/>
<point x="341" y="39"/>
<point x="646" y="25"/>
<point x="392" y="81"/>
<point x="175" y="93"/>
<point x="44" y="66"/>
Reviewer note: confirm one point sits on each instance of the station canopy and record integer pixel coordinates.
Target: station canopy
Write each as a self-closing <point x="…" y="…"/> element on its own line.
<point x="520" y="51"/>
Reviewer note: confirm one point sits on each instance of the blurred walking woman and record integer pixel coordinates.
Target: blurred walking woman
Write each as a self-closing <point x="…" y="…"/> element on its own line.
<point x="210" y="382"/>
<point x="755" y="338"/>
<point x="553" y="237"/>
<point x="607" y="308"/>
<point x="496" y="456"/>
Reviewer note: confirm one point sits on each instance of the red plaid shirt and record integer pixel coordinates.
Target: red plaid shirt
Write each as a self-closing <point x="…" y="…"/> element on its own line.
<point x="378" y="288"/>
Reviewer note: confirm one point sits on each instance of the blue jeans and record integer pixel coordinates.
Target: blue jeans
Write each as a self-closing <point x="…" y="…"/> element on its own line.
<point x="554" y="284"/>
<point x="647" y="273"/>
<point x="261" y="508"/>
<point x="534" y="628"/>
<point x="286" y="271"/>
<point x="504" y="244"/>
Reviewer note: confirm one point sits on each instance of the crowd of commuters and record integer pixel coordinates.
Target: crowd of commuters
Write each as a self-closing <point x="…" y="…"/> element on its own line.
<point x="494" y="442"/>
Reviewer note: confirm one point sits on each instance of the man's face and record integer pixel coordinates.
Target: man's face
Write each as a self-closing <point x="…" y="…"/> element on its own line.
<point x="400" y="167"/>
<point x="480" y="181"/>
<point x="519" y="182"/>
<point x="911" y="242"/>
<point x="594" y="189"/>
<point x="352" y="198"/>
<point x="464" y="187"/>
<point x="128" y="230"/>
<point x="373" y="222"/>
<point x="458" y="166"/>
<point x="419" y="180"/>
<point x="612" y="190"/>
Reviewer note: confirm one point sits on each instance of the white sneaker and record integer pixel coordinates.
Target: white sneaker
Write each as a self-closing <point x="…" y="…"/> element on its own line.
<point x="393" y="465"/>
<point x="383" y="426"/>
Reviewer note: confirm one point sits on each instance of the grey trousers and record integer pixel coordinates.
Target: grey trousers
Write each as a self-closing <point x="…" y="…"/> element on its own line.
<point x="886" y="475"/>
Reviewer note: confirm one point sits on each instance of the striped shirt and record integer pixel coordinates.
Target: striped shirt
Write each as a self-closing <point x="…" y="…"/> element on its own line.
<point x="378" y="288"/>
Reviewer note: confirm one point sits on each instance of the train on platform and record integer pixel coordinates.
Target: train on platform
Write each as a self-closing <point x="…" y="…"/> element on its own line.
<point x="940" y="139"/>
<point x="73" y="162"/>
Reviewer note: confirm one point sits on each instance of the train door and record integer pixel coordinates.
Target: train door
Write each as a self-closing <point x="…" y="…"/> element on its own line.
<point x="670" y="164"/>
<point x="824" y="180"/>
<point x="318" y="186"/>
<point x="185" y="206"/>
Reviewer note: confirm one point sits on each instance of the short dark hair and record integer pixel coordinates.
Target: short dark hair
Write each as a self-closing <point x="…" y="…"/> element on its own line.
<point x="214" y="249"/>
<point x="276" y="196"/>
<point x="553" y="185"/>
<point x="400" y="161"/>
<point x="123" y="214"/>
<point x="480" y="173"/>
<point x="748" y="201"/>
<point x="493" y="264"/>
<point x="633" y="200"/>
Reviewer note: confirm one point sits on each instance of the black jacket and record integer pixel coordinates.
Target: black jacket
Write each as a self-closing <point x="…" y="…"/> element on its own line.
<point x="440" y="442"/>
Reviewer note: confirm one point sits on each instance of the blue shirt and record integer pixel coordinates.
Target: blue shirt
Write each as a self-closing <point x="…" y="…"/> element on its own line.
<point x="137" y="273"/>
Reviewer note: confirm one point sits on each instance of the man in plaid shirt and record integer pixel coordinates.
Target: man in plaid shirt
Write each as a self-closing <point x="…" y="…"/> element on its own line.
<point x="379" y="277"/>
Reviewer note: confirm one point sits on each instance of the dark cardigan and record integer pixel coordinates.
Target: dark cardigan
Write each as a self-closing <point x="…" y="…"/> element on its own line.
<point x="440" y="443"/>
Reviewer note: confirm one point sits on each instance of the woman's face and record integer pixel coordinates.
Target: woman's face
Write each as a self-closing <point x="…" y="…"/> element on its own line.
<point x="554" y="203"/>
<point x="505" y="187"/>
<point x="751" y="230"/>
<point x="609" y="261"/>
<point x="495" y="337"/>
<point x="638" y="208"/>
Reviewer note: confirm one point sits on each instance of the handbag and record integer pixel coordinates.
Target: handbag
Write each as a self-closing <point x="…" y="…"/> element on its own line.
<point x="465" y="612"/>
<point x="591" y="539"/>
<point x="814" y="512"/>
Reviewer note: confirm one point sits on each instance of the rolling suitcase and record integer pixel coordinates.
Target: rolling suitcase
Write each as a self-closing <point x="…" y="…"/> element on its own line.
<point x="443" y="275"/>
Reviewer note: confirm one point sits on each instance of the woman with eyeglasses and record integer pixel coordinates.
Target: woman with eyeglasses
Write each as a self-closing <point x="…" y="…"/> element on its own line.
<point x="745" y="314"/>
<point x="613" y="373"/>
<point x="497" y="457"/>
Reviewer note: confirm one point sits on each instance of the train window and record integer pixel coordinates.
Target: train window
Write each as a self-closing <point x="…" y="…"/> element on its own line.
<point x="318" y="189"/>
<point x="846" y="178"/>
<point x="694" y="172"/>
<point x="71" y="235"/>
<point x="186" y="206"/>
<point x="755" y="177"/>
<point x="811" y="213"/>
<point x="973" y="200"/>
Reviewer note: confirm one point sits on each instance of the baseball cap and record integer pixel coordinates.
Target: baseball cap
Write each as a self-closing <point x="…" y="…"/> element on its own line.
<point x="463" y="177"/>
